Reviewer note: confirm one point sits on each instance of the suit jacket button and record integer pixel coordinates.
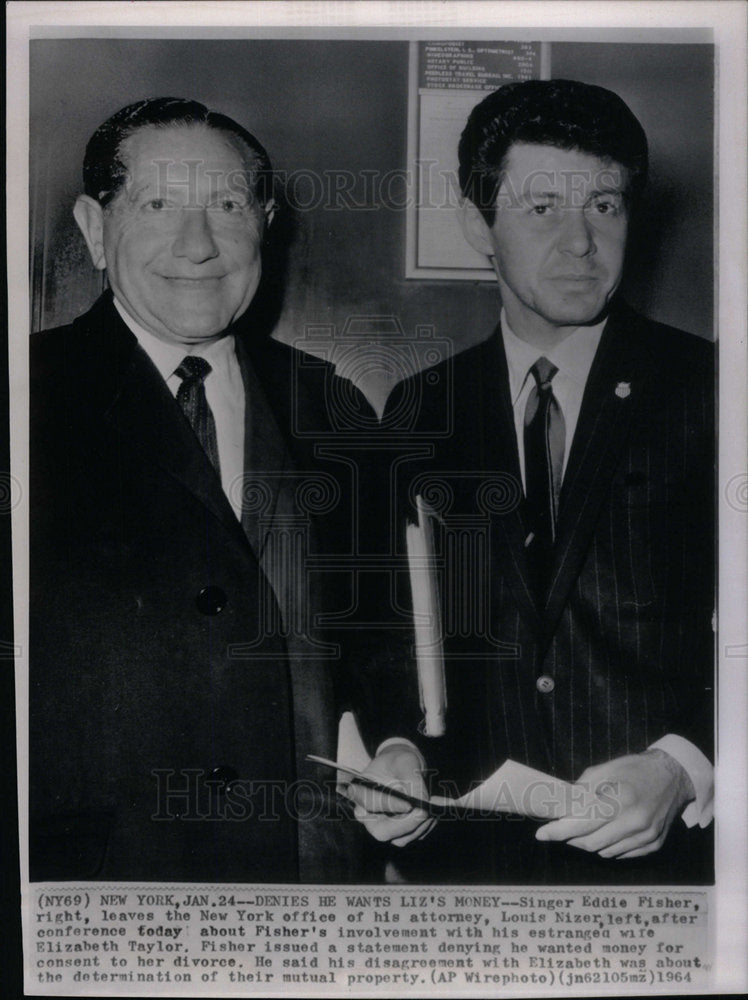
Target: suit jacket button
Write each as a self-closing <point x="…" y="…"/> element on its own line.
<point x="211" y="600"/>
<point x="545" y="684"/>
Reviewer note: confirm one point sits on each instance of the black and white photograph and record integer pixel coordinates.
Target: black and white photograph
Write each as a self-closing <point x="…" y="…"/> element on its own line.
<point x="378" y="497"/>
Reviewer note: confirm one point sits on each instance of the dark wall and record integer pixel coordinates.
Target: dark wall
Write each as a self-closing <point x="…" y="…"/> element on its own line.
<point x="332" y="109"/>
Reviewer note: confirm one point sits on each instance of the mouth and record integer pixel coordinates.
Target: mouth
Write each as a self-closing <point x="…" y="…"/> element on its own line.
<point x="581" y="279"/>
<point x="190" y="282"/>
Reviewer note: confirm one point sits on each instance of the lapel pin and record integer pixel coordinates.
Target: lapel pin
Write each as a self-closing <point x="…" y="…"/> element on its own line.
<point x="623" y="389"/>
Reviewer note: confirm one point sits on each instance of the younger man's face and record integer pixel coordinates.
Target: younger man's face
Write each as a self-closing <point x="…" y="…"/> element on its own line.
<point x="559" y="237"/>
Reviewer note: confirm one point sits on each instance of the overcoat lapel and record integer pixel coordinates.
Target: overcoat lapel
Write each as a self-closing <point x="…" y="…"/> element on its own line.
<point x="267" y="463"/>
<point x="276" y="525"/>
<point x="272" y="519"/>
<point x="150" y="423"/>
<point x="613" y="394"/>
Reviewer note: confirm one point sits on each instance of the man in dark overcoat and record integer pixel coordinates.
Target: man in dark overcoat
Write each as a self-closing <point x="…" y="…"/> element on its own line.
<point x="178" y="675"/>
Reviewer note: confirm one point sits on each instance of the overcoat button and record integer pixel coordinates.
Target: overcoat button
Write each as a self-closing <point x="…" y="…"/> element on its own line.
<point x="211" y="600"/>
<point x="545" y="684"/>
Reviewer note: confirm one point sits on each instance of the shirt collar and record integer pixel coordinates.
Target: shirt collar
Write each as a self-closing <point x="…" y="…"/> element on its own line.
<point x="168" y="357"/>
<point x="573" y="356"/>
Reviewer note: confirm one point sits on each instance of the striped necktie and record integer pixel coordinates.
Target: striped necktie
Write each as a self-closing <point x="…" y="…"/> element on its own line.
<point x="191" y="397"/>
<point x="545" y="434"/>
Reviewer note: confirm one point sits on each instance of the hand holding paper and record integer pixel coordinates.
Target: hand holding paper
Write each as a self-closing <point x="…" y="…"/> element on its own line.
<point x="645" y="791"/>
<point x="513" y="788"/>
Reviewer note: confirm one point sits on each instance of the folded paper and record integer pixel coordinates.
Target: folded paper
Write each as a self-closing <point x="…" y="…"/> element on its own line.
<point x="513" y="788"/>
<point x="429" y="649"/>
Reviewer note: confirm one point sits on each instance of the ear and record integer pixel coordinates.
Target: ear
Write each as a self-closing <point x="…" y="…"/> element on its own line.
<point x="474" y="227"/>
<point x="89" y="215"/>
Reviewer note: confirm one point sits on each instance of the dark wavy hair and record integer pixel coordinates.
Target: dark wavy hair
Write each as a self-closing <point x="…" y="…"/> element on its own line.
<point x="104" y="169"/>
<point x="561" y="113"/>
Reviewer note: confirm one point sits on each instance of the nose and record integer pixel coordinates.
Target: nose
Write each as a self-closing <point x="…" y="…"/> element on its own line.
<point x="195" y="238"/>
<point x="576" y="236"/>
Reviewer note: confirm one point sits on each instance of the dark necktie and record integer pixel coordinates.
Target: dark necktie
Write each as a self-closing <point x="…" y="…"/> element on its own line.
<point x="545" y="434"/>
<point x="191" y="397"/>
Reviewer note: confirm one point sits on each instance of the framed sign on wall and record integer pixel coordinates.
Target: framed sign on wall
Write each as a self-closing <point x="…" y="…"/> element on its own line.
<point x="446" y="80"/>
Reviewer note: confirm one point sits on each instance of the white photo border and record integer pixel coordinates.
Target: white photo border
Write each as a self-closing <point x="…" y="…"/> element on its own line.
<point x="622" y="21"/>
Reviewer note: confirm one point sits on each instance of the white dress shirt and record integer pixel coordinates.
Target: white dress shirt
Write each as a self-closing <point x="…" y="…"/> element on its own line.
<point x="573" y="357"/>
<point x="224" y="391"/>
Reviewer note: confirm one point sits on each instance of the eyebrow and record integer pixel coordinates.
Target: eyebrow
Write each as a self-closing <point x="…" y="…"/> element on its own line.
<point x="135" y="192"/>
<point x="530" y="196"/>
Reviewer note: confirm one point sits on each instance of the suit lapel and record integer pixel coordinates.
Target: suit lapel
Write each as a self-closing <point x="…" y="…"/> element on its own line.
<point x="613" y="394"/>
<point x="499" y="452"/>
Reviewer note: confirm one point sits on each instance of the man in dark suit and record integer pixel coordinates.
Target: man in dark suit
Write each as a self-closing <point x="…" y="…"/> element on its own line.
<point x="177" y="673"/>
<point x="572" y="469"/>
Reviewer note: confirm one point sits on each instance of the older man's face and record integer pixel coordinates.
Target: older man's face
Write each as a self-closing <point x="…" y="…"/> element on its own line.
<point x="559" y="238"/>
<point x="181" y="239"/>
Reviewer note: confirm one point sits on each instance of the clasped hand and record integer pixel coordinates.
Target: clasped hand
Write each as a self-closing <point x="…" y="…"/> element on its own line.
<point x="386" y="817"/>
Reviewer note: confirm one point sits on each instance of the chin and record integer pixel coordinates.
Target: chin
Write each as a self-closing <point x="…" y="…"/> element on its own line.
<point x="198" y="336"/>
<point x="191" y="332"/>
<point x="577" y="315"/>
